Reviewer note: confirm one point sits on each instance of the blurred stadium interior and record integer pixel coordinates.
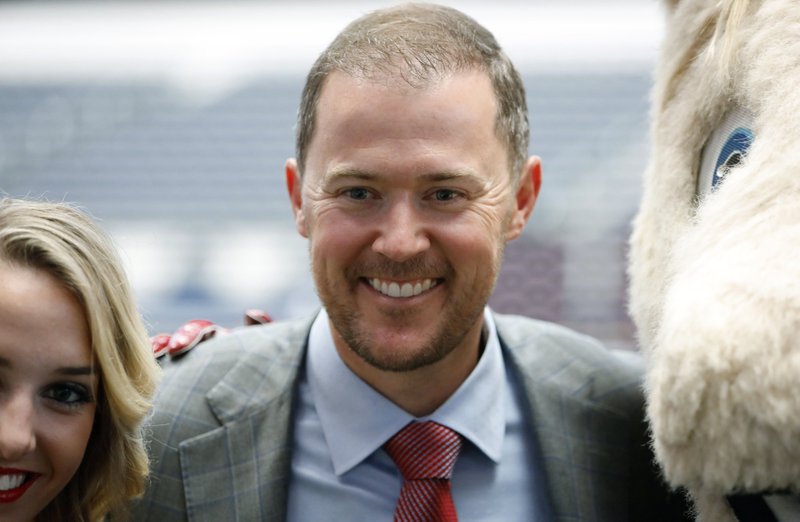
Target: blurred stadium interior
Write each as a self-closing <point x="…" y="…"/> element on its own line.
<point x="190" y="184"/>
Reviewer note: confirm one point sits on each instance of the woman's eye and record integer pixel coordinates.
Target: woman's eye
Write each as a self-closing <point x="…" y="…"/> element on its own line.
<point x="68" y="394"/>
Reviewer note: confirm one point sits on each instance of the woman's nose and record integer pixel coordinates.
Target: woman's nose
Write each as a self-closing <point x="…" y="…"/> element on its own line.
<point x="17" y="433"/>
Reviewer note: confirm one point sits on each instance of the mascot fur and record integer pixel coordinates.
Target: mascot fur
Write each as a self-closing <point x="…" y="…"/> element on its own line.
<point x="715" y="256"/>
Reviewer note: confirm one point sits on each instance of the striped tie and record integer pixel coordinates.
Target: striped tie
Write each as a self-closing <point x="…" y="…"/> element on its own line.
<point x="425" y="453"/>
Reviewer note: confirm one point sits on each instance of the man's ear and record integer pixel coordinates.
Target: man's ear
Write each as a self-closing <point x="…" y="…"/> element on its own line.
<point x="295" y="187"/>
<point x="525" y="199"/>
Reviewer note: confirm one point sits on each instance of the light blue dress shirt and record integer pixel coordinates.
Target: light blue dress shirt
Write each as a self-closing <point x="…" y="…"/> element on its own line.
<point x="341" y="473"/>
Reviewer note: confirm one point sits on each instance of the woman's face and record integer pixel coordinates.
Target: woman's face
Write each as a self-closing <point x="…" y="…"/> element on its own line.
<point x="48" y="386"/>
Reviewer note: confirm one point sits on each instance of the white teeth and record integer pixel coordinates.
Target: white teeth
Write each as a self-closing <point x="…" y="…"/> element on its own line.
<point x="11" y="481"/>
<point x="393" y="289"/>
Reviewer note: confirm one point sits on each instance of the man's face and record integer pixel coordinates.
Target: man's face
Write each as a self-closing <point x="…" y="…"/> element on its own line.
<point x="407" y="201"/>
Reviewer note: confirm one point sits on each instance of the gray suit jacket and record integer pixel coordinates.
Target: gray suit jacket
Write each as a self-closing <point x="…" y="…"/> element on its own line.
<point x="220" y="433"/>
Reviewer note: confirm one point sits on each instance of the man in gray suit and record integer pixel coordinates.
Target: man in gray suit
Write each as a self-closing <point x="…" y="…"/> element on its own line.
<point x="411" y="175"/>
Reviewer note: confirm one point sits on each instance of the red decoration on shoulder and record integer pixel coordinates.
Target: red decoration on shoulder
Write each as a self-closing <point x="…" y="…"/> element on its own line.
<point x="160" y="344"/>
<point x="193" y="332"/>
<point x="254" y="316"/>
<point x="190" y="334"/>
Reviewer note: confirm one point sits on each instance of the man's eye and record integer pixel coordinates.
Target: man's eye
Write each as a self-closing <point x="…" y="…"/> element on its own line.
<point x="445" y="195"/>
<point x="358" y="193"/>
<point x="68" y="394"/>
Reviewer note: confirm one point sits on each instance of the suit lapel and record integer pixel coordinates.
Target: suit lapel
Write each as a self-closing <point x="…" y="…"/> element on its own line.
<point x="583" y="445"/>
<point x="588" y="476"/>
<point x="240" y="471"/>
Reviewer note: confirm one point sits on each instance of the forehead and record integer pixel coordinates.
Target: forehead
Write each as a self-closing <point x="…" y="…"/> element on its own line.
<point x="453" y="114"/>
<point x="41" y="322"/>
<point x="344" y="95"/>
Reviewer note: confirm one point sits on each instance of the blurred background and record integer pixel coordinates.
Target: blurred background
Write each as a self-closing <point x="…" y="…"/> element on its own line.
<point x="171" y="122"/>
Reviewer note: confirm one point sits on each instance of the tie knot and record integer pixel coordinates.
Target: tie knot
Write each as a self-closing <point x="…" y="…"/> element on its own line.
<point x="424" y="450"/>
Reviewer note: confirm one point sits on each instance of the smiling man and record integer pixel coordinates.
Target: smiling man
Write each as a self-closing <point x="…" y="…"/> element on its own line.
<point x="407" y="209"/>
<point x="405" y="395"/>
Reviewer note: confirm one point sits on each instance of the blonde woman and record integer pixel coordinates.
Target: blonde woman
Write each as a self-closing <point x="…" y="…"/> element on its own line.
<point x="76" y="369"/>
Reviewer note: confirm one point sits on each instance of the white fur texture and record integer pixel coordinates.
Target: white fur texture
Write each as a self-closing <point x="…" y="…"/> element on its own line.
<point x="711" y="507"/>
<point x="715" y="289"/>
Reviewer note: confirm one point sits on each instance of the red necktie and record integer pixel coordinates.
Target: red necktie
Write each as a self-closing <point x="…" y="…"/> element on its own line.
<point x="425" y="453"/>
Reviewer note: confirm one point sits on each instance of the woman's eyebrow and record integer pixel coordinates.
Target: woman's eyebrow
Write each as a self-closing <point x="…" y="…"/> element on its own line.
<point x="75" y="370"/>
<point x="63" y="370"/>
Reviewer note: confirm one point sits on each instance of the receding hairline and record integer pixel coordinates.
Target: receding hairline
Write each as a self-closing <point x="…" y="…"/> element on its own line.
<point x="419" y="43"/>
<point x="386" y="78"/>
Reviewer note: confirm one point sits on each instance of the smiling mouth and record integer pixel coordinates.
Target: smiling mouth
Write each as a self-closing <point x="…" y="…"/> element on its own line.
<point x="404" y="289"/>
<point x="14" y="484"/>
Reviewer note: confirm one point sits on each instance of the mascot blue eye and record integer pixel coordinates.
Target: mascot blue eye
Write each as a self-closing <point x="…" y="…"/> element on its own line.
<point x="732" y="153"/>
<point x="725" y="149"/>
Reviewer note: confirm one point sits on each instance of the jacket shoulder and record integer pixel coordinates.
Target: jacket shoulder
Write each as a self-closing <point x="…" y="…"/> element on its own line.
<point x="213" y="358"/>
<point x="202" y="396"/>
<point x="241" y="366"/>
<point x="575" y="363"/>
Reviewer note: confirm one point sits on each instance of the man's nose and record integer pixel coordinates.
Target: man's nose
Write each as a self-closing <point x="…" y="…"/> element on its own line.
<point x="403" y="232"/>
<point x="17" y="433"/>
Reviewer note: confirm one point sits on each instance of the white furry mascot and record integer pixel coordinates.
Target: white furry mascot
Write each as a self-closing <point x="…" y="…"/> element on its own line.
<point x="715" y="258"/>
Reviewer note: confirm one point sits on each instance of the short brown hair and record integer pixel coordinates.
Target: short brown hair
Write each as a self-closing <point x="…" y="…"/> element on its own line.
<point x="420" y="43"/>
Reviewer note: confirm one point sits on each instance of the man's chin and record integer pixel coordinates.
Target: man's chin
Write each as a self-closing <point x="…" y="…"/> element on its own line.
<point x="402" y="360"/>
<point x="399" y="353"/>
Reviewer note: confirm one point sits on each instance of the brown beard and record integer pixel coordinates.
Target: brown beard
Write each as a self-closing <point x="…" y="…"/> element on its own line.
<point x="443" y="343"/>
<point x="457" y="321"/>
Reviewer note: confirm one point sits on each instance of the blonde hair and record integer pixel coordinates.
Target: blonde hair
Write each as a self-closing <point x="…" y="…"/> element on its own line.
<point x="68" y="245"/>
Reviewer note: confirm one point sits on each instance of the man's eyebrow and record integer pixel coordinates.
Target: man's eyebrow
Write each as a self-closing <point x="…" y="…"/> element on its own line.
<point x="348" y="174"/>
<point x="5" y="363"/>
<point x="433" y="177"/>
<point x="463" y="175"/>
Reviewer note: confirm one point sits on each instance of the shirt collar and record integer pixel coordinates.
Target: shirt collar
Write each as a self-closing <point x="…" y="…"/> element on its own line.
<point x="357" y="420"/>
